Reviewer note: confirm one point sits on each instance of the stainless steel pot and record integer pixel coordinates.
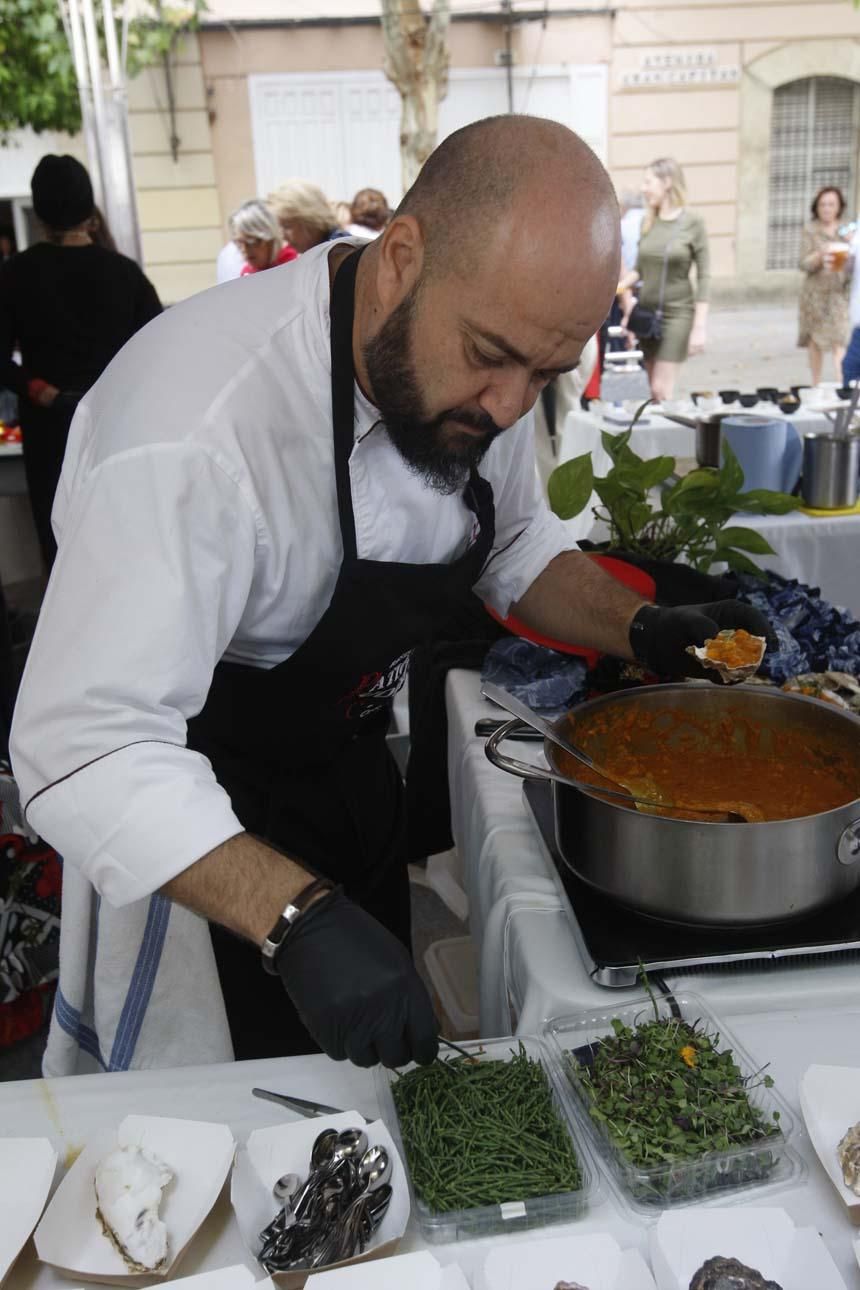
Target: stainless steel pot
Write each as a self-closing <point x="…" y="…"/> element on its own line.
<point x="830" y="468"/>
<point x="710" y="873"/>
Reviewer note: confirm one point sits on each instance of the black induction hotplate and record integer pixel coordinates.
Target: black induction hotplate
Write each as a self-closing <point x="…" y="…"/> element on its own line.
<point x="615" y="941"/>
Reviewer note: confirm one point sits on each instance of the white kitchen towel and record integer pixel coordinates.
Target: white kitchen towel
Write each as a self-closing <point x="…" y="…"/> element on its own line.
<point x="138" y="987"/>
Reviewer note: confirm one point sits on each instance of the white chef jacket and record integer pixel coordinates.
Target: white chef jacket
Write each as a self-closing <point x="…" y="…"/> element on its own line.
<point x="196" y="519"/>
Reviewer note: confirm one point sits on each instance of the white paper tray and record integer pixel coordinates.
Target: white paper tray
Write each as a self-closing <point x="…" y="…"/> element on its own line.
<point x="286" y="1148"/>
<point x="762" y="1238"/>
<point x="595" y="1260"/>
<point x="70" y="1236"/>
<point x="27" y="1167"/>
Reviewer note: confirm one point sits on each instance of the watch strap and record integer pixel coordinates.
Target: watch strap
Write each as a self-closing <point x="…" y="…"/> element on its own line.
<point x="291" y="912"/>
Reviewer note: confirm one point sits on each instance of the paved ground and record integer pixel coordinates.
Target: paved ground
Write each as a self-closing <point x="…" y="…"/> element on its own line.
<point x="748" y="348"/>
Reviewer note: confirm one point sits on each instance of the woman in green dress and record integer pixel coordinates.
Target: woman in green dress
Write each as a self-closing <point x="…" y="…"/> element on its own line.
<point x="673" y="242"/>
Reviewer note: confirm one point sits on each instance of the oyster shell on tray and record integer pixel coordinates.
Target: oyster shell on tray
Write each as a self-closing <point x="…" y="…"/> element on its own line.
<point x="734" y="654"/>
<point x="729" y="1274"/>
<point x="129" y="1184"/>
<point x="848" y="1152"/>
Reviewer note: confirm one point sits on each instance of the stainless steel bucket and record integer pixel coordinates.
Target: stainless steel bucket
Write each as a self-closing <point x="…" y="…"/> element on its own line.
<point x="831" y="470"/>
<point x="710" y="873"/>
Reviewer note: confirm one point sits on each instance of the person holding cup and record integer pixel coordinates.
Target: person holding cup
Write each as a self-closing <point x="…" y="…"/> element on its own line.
<point x="825" y="259"/>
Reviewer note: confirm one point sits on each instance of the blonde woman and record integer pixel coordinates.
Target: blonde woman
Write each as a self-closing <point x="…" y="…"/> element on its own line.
<point x="305" y="214"/>
<point x="673" y="243"/>
<point x="258" y="236"/>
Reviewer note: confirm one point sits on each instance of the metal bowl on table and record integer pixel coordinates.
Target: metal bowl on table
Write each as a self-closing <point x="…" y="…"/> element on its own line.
<point x="696" y="871"/>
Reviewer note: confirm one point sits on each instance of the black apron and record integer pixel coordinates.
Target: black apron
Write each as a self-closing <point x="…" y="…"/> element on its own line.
<point x="301" y="747"/>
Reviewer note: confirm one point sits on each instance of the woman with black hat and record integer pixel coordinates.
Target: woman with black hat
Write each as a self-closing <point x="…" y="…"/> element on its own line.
<point x="68" y="305"/>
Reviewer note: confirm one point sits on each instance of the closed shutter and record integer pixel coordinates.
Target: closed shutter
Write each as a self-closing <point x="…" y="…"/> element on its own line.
<point x="814" y="137"/>
<point x="342" y="129"/>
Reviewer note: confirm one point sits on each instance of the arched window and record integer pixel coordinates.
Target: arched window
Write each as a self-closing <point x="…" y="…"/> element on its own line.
<point x="813" y="142"/>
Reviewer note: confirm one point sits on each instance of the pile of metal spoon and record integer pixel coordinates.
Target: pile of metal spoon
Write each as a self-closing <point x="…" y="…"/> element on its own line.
<point x="332" y="1215"/>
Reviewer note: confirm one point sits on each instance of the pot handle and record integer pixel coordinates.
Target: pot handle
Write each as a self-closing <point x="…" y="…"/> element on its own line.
<point x="524" y="769"/>
<point x="848" y="846"/>
<point x="527" y="770"/>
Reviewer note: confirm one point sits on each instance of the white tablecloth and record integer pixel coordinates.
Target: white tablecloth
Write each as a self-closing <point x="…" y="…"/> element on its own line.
<point x="820" y="551"/>
<point x="656" y="438"/>
<point x="659" y="436"/>
<point x="70" y="1110"/>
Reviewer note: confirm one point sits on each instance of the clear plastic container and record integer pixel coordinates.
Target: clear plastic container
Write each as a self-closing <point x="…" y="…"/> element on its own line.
<point x="711" y="1176"/>
<point x="514" y="1216"/>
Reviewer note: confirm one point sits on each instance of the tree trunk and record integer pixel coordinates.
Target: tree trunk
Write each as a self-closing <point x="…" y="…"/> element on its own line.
<point x="416" y="62"/>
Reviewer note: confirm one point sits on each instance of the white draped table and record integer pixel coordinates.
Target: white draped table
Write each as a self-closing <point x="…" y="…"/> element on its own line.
<point x="821" y="551"/>
<point x="69" y="1110"/>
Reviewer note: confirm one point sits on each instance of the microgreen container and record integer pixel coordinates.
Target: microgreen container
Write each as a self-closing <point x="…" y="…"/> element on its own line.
<point x="711" y="1175"/>
<point x="515" y="1215"/>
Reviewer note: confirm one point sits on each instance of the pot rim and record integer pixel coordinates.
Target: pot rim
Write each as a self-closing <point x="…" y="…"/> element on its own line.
<point x="551" y="750"/>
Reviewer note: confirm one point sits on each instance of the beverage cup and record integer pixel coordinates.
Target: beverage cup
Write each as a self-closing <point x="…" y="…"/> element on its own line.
<point x="838" y="252"/>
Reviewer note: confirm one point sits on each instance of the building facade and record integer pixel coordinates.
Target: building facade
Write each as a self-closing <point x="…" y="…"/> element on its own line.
<point x="760" y="102"/>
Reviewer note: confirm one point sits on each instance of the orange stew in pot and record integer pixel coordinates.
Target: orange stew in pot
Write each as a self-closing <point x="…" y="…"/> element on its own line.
<point x="785" y="773"/>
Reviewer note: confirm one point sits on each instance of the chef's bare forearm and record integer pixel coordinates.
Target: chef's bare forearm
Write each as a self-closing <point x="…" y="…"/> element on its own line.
<point x="574" y="600"/>
<point x="243" y="885"/>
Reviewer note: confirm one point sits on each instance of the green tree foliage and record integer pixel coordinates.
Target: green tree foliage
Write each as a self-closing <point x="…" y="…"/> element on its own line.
<point x="37" y="78"/>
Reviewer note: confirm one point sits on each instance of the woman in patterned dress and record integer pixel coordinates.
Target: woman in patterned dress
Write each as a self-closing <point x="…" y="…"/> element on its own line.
<point x="823" y="314"/>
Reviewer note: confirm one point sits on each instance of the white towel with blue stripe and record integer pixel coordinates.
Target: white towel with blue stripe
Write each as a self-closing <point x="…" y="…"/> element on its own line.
<point x="138" y="987"/>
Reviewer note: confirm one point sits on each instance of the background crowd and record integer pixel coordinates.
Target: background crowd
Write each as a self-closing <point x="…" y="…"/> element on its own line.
<point x="70" y="302"/>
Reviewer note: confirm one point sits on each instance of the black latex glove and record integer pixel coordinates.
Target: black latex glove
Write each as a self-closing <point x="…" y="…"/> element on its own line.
<point x="355" y="987"/>
<point x="659" y="636"/>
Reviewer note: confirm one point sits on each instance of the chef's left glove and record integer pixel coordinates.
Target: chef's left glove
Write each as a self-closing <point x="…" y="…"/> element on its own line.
<point x="659" y="636"/>
<point x="355" y="986"/>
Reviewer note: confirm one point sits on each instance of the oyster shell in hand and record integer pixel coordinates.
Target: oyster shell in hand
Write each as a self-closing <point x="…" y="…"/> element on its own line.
<point x="848" y="1152"/>
<point x="729" y="1274"/>
<point x="129" y="1183"/>
<point x="735" y="654"/>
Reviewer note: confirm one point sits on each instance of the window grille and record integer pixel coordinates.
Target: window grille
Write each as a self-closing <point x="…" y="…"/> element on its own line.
<point x="813" y="143"/>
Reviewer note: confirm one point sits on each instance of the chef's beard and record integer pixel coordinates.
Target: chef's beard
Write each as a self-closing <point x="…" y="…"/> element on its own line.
<point x="432" y="447"/>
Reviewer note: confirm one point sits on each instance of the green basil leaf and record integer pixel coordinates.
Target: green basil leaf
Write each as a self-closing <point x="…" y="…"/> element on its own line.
<point x="655" y="470"/>
<point x="738" y="562"/>
<point x="613" y="443"/>
<point x="570" y="486"/>
<point x="767" y="502"/>
<point x="744" y="539"/>
<point x="731" y="471"/>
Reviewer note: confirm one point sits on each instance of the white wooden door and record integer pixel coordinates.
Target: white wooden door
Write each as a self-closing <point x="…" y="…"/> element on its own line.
<point x="341" y="129"/>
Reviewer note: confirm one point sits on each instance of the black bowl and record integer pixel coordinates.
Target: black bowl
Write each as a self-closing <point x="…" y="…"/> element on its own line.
<point x="729" y="396"/>
<point x="795" y="389"/>
<point x="748" y="400"/>
<point x="845" y="392"/>
<point x="768" y="393"/>
<point x="789" y="405"/>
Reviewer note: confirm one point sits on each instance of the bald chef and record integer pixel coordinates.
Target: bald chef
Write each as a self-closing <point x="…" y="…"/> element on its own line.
<point x="274" y="493"/>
